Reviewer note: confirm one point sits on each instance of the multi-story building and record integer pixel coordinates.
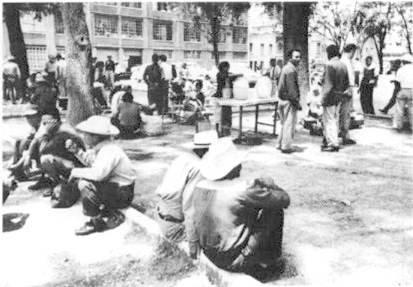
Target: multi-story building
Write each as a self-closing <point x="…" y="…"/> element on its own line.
<point x="132" y="31"/>
<point x="265" y="38"/>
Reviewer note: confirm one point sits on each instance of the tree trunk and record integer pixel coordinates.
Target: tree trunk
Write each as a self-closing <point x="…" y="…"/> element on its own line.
<point x="296" y="37"/>
<point x="215" y="37"/>
<point x="17" y="45"/>
<point x="79" y="63"/>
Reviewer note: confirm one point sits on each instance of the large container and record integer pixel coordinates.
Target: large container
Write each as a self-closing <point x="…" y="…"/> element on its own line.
<point x="240" y="89"/>
<point x="263" y="88"/>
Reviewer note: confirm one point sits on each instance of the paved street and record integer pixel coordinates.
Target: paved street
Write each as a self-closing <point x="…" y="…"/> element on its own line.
<point x="349" y="219"/>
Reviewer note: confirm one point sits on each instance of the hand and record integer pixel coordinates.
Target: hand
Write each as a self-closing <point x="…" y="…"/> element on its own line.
<point x="86" y="186"/>
<point x="194" y="250"/>
<point x="71" y="146"/>
<point x="51" y="126"/>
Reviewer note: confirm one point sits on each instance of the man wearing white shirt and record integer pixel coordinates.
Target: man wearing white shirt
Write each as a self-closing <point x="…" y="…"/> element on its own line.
<point x="404" y="97"/>
<point x="347" y="99"/>
<point x="107" y="183"/>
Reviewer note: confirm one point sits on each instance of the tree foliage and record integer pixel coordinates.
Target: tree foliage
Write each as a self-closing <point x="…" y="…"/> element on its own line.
<point x="214" y="14"/>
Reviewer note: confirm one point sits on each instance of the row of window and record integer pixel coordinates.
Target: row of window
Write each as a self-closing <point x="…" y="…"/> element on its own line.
<point x="262" y="49"/>
<point x="37" y="55"/>
<point x="137" y="5"/>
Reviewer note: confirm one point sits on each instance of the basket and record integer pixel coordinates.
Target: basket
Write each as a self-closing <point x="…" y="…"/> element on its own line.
<point x="153" y="125"/>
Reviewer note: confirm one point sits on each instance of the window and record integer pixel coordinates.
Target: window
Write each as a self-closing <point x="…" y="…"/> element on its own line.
<point x="251" y="47"/>
<point x="107" y="3"/>
<point x="131" y="27"/>
<point x="192" y="54"/>
<point x="270" y="50"/>
<point x="239" y="35"/>
<point x="137" y="5"/>
<point x="262" y="50"/>
<point x="192" y="33"/>
<point x="240" y="56"/>
<point x="163" y="6"/>
<point x="162" y="30"/>
<point x="318" y="49"/>
<point x="106" y="25"/>
<point x="58" y="22"/>
<point x="30" y="25"/>
<point x="60" y="50"/>
<point x="222" y="37"/>
<point x="167" y="53"/>
<point x="222" y="56"/>
<point x="36" y="57"/>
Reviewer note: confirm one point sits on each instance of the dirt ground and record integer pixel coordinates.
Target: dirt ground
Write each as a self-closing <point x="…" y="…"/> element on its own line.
<point x="350" y="219"/>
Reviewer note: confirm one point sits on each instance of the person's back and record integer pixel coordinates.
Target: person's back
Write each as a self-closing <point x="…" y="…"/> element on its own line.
<point x="233" y="218"/>
<point x="11" y="69"/>
<point x="129" y="114"/>
<point x="335" y="82"/>
<point x="45" y="97"/>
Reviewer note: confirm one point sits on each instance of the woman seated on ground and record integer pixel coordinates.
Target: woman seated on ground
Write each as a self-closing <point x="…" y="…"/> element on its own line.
<point x="127" y="117"/>
<point x="194" y="104"/>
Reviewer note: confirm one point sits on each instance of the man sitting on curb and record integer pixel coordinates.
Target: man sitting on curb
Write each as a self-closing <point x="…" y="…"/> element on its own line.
<point x="108" y="182"/>
<point x="238" y="223"/>
<point x="176" y="189"/>
<point x="48" y="147"/>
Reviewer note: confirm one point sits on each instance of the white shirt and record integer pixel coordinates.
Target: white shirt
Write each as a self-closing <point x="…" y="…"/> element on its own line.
<point x="167" y="71"/>
<point x="111" y="164"/>
<point x="61" y="69"/>
<point x="116" y="100"/>
<point x="404" y="76"/>
<point x="350" y="69"/>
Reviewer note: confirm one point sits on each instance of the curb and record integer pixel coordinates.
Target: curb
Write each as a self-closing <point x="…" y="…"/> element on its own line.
<point x="214" y="274"/>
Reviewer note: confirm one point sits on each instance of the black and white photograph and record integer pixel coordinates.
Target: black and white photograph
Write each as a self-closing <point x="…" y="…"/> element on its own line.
<point x="207" y="144"/>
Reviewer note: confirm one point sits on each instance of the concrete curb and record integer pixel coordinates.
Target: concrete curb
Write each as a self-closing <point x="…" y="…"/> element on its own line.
<point x="215" y="275"/>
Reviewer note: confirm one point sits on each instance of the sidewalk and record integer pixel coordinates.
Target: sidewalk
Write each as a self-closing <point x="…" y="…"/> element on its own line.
<point x="349" y="220"/>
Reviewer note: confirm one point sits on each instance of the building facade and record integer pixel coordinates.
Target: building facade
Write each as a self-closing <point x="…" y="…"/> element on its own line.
<point x="131" y="32"/>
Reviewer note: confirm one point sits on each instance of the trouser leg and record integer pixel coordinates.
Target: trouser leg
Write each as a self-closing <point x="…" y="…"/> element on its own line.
<point x="330" y="125"/>
<point x="288" y="125"/>
<point x="344" y="117"/>
<point x="226" y="121"/>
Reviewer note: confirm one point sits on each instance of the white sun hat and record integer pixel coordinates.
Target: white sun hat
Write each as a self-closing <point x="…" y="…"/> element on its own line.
<point x="98" y="125"/>
<point x="221" y="158"/>
<point x="205" y="139"/>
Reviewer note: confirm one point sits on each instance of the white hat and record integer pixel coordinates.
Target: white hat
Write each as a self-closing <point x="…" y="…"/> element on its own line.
<point x="221" y="158"/>
<point x="205" y="139"/>
<point x="98" y="125"/>
<point x="407" y="58"/>
<point x="40" y="77"/>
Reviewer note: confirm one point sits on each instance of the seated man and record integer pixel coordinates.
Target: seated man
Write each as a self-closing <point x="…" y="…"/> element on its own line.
<point x="127" y="117"/>
<point x="48" y="148"/>
<point x="238" y="223"/>
<point x="176" y="190"/>
<point x="108" y="182"/>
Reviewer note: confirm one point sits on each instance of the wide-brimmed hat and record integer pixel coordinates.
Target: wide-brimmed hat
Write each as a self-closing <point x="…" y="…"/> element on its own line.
<point x="407" y="58"/>
<point x="221" y="158"/>
<point x="205" y="139"/>
<point x="98" y="125"/>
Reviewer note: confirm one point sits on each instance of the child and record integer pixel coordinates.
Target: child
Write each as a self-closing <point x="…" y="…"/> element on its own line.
<point x="194" y="105"/>
<point x="315" y="111"/>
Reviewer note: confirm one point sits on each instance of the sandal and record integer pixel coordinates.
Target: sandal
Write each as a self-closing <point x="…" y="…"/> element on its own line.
<point x="92" y="226"/>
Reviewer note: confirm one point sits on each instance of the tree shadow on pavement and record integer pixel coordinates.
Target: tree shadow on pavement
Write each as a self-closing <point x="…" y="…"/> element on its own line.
<point x="14" y="221"/>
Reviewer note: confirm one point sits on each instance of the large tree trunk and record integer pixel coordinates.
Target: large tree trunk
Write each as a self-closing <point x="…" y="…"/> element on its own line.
<point x="295" y="36"/>
<point x="79" y="63"/>
<point x="215" y="37"/>
<point x="17" y="45"/>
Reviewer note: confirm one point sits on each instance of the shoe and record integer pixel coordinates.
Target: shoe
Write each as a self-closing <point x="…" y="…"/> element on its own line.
<point x="330" y="149"/>
<point x="349" y="142"/>
<point x="42" y="183"/>
<point x="48" y="192"/>
<point x="288" y="151"/>
<point x="92" y="226"/>
<point x="383" y="111"/>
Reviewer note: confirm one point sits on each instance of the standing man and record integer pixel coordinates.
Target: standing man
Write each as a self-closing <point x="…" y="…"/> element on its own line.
<point x="167" y="78"/>
<point x="289" y="94"/>
<point x="274" y="74"/>
<point x="61" y="75"/>
<point x="347" y="100"/>
<point x="153" y="77"/>
<point x="51" y="70"/>
<point x="335" y="85"/>
<point x="11" y="80"/>
<point x="110" y="72"/>
<point x="405" y="96"/>
<point x="107" y="183"/>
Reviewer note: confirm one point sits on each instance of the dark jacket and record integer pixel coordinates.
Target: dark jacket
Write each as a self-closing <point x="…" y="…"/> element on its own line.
<point x="45" y="98"/>
<point x="288" y="84"/>
<point x="153" y="76"/>
<point x="335" y="82"/>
